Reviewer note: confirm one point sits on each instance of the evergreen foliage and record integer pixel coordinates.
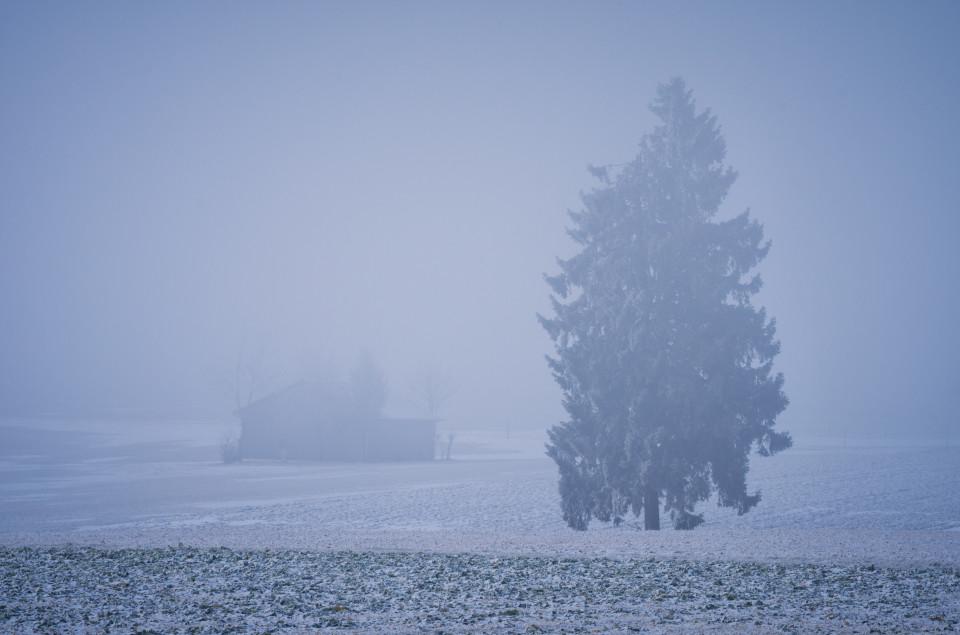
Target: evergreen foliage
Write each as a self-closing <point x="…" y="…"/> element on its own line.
<point x="367" y="388"/>
<point x="664" y="363"/>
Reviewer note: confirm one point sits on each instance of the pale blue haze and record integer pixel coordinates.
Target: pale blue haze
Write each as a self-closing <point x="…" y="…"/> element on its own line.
<point x="331" y="177"/>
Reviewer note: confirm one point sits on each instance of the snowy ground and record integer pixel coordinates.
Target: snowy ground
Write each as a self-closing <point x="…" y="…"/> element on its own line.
<point x="220" y="590"/>
<point x="833" y="507"/>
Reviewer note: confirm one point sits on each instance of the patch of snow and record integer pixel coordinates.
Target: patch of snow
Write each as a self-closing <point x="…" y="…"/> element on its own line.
<point x="821" y="501"/>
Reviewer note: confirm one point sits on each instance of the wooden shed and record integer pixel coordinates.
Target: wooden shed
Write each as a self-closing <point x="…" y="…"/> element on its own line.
<point x="313" y="421"/>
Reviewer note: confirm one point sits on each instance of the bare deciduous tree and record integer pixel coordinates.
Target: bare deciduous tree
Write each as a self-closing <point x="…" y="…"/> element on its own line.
<point x="431" y="386"/>
<point x="250" y="374"/>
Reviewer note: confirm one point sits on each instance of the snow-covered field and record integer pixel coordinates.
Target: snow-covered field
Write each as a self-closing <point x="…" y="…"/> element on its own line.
<point x="867" y="531"/>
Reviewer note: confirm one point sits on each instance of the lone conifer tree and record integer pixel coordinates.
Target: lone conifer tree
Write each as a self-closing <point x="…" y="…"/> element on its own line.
<point x="664" y="363"/>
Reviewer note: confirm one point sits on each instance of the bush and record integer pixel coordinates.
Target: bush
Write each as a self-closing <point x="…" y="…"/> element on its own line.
<point x="230" y="446"/>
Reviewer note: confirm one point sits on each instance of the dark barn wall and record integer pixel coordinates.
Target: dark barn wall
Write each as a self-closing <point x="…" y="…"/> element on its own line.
<point x="258" y="441"/>
<point x="265" y="437"/>
<point x="341" y="442"/>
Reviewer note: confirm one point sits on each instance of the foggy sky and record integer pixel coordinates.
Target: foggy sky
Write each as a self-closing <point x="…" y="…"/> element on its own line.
<point x="326" y="178"/>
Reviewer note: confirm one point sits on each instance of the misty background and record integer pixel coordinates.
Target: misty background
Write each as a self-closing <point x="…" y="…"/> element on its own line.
<point x="179" y="181"/>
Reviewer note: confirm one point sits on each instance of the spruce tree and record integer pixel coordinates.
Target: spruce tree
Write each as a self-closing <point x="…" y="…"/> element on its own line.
<point x="367" y="389"/>
<point x="664" y="363"/>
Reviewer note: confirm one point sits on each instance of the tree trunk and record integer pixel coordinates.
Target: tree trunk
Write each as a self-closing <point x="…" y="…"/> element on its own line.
<point x="651" y="508"/>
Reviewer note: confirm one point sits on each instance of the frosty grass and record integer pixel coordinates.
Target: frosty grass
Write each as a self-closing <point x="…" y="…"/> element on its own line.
<point x="130" y="537"/>
<point x="219" y="590"/>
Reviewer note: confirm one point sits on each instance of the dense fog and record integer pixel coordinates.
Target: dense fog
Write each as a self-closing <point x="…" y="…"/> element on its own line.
<point x="182" y="184"/>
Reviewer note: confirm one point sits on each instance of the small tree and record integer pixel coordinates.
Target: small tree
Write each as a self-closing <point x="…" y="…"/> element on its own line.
<point x="251" y="374"/>
<point x="664" y="364"/>
<point x="431" y="386"/>
<point x="242" y="379"/>
<point x="230" y="445"/>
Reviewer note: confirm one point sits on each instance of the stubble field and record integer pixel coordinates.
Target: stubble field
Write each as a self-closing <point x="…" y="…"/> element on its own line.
<point x="129" y="526"/>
